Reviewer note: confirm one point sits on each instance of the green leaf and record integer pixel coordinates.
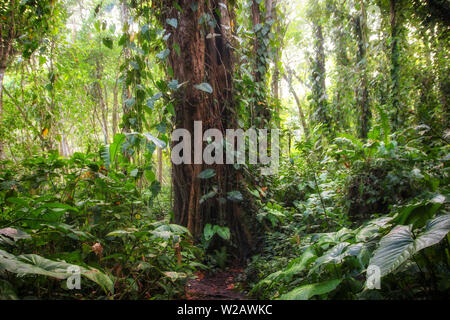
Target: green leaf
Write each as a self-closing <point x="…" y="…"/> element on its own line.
<point x="335" y="255"/>
<point x="155" y="188"/>
<point x="173" y="85"/>
<point x="194" y="6"/>
<point x="105" y="155"/>
<point x="32" y="264"/>
<point x="298" y="264"/>
<point x="130" y="102"/>
<point x="305" y="292"/>
<point x="435" y="231"/>
<point x="235" y="196"/>
<point x="177" y="229"/>
<point x="172" y="22"/>
<point x="99" y="278"/>
<point x="14" y="234"/>
<point x="159" y="143"/>
<point x="395" y="248"/>
<point x="418" y="213"/>
<point x="398" y="246"/>
<point x="174" y="276"/>
<point x="7" y="291"/>
<point x="134" y="173"/>
<point x="208" y="232"/>
<point x="223" y="232"/>
<point x="114" y="147"/>
<point x="149" y="175"/>
<point x="64" y="206"/>
<point x="117" y="233"/>
<point x="207" y="196"/>
<point x="108" y="42"/>
<point x="207" y="174"/>
<point x="206" y="87"/>
<point x="163" y="54"/>
<point x="68" y="230"/>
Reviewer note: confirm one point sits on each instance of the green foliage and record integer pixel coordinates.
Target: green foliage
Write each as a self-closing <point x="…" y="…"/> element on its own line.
<point x="317" y="254"/>
<point x="80" y="214"/>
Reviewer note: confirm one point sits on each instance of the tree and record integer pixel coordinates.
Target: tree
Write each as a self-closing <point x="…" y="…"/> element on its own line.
<point x="126" y="92"/>
<point x="261" y="27"/>
<point x="362" y="97"/>
<point x="318" y="74"/>
<point x="316" y="16"/>
<point x="22" y="24"/>
<point x="197" y="59"/>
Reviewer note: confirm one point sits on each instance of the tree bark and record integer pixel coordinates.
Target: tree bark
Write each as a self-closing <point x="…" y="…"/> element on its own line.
<point x="260" y="50"/>
<point x="160" y="164"/>
<point x="318" y="78"/>
<point x="362" y="97"/>
<point x="276" y="69"/>
<point x="205" y="60"/>
<point x="125" y="15"/>
<point x="115" y="110"/>
<point x="299" y="106"/>
<point x="2" y="74"/>
<point x="395" y="65"/>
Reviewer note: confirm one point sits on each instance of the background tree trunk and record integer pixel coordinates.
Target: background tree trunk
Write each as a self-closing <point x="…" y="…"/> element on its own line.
<point x="318" y="78"/>
<point x="125" y="16"/>
<point x="362" y="98"/>
<point x="260" y="50"/>
<point x="397" y="114"/>
<point x="297" y="101"/>
<point x="2" y="74"/>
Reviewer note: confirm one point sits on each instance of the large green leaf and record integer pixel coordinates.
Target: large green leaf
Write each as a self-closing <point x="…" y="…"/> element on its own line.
<point x="399" y="245"/>
<point x="371" y="229"/>
<point x="337" y="254"/>
<point x="32" y="264"/>
<point x="99" y="278"/>
<point x="208" y="232"/>
<point x="395" y="248"/>
<point x="68" y="230"/>
<point x="435" y="231"/>
<point x="114" y="147"/>
<point x="305" y="292"/>
<point x="223" y="232"/>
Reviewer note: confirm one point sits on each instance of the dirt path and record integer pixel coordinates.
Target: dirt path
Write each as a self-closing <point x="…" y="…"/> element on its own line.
<point x="220" y="285"/>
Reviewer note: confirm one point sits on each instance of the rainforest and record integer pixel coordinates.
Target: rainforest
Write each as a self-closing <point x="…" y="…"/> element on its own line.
<point x="224" y="150"/>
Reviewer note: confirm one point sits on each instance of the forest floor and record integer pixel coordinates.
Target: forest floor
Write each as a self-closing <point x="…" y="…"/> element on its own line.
<point x="220" y="285"/>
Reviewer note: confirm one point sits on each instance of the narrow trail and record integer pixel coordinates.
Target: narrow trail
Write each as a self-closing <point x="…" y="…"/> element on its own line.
<point x="219" y="285"/>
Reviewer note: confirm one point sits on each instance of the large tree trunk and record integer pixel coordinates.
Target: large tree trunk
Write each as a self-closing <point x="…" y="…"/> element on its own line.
<point x="205" y="60"/>
<point x="362" y="97"/>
